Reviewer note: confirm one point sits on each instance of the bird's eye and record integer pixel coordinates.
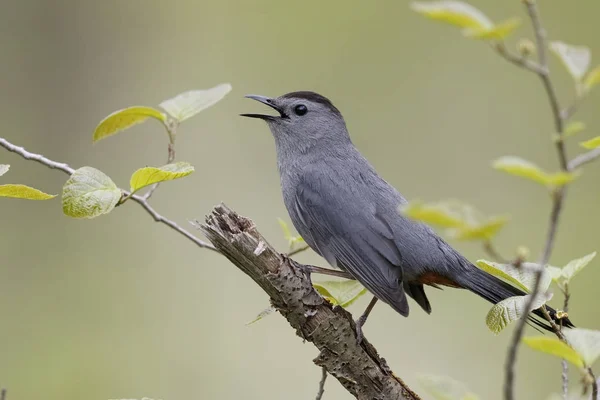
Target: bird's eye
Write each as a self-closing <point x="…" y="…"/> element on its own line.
<point x="300" y="109"/>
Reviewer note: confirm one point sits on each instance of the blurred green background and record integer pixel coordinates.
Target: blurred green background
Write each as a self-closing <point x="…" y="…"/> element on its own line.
<point x="120" y="307"/>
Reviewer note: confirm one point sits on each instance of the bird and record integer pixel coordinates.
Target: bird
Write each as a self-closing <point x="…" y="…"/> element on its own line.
<point x="350" y="216"/>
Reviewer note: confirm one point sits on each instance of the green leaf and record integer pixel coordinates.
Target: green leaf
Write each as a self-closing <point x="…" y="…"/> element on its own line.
<point x="555" y="347"/>
<point x="519" y="167"/>
<point x="23" y="192"/>
<point x="444" y="388"/>
<point x="484" y="231"/>
<point x="436" y="214"/>
<point x="188" y="104"/>
<point x="16" y="191"/>
<point x="592" y="143"/>
<point x="341" y="293"/>
<point x="262" y="314"/>
<point x="455" y="13"/>
<point x="523" y="277"/>
<point x="565" y="274"/>
<point x="554" y="272"/>
<point x="561" y="178"/>
<point x="585" y="342"/>
<point x="287" y="234"/>
<point x="575" y="58"/>
<point x="150" y="175"/>
<point x="89" y="193"/>
<point x="574" y="128"/>
<point x="511" y="309"/>
<point x="525" y="169"/>
<point x="125" y="118"/>
<point x="475" y="24"/>
<point x="574" y="266"/>
<point x="497" y="32"/>
<point x="592" y="79"/>
<point x="463" y="221"/>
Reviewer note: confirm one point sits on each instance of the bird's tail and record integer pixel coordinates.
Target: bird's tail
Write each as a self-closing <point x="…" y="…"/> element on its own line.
<point x="495" y="290"/>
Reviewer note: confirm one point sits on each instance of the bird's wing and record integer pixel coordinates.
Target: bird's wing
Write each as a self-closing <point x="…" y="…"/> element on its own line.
<point x="351" y="235"/>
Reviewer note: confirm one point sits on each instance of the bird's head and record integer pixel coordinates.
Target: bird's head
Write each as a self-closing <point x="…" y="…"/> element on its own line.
<point x="303" y="117"/>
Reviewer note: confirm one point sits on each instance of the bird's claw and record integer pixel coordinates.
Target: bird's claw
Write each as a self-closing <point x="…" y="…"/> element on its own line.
<point x="359" y="331"/>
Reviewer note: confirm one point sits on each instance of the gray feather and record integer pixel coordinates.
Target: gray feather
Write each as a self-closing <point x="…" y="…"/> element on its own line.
<point x="349" y="238"/>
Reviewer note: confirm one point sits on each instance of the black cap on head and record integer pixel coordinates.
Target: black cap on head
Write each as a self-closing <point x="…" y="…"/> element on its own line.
<point x="313" y="97"/>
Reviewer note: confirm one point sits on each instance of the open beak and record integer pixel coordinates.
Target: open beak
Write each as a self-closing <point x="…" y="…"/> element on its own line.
<point x="269" y="102"/>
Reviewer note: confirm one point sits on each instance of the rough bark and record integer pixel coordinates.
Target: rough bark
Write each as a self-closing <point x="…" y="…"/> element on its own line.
<point x="358" y="367"/>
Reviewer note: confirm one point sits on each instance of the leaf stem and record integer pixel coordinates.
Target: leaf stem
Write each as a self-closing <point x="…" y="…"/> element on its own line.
<point x="171" y="127"/>
<point x="126" y="196"/>
<point x="491" y="251"/>
<point x="298" y="250"/>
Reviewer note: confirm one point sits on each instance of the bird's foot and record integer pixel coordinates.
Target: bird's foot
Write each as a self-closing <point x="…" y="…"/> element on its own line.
<point x="359" y="331"/>
<point x="311" y="269"/>
<point x="360" y="322"/>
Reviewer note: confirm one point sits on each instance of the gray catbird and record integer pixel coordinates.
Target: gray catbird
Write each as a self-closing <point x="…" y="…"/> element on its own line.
<point x="349" y="215"/>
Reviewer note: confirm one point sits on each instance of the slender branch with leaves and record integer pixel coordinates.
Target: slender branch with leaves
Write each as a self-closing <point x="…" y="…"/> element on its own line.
<point x="579" y="346"/>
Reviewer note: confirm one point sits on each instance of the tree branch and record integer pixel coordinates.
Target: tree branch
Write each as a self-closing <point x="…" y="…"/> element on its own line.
<point x="541" y="45"/>
<point x="36" y="157"/>
<point x="584" y="159"/>
<point x="331" y="329"/>
<point x="558" y="196"/>
<point x="141" y="200"/>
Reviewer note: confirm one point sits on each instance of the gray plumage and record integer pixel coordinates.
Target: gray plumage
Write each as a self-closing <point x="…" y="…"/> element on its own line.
<point x="349" y="215"/>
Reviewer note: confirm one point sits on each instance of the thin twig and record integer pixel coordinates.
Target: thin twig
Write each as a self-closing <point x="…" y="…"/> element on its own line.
<point x="322" y="384"/>
<point x="171" y="224"/>
<point x="558" y="196"/>
<point x="3" y="394"/>
<point x="491" y="251"/>
<point x="583" y="159"/>
<point x="594" y="385"/>
<point x="518" y="60"/>
<point x="567" y="294"/>
<point x="565" y="380"/>
<point x="540" y="38"/>
<point x="298" y="250"/>
<point x="36" y="157"/>
<point x="138" y="199"/>
<point x="555" y="327"/>
<point x="520" y="328"/>
<point x="170" y="159"/>
<point x="565" y="365"/>
<point x="569" y="111"/>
